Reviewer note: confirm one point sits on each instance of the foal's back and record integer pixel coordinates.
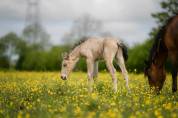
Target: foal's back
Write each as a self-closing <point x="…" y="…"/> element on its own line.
<point x="94" y="46"/>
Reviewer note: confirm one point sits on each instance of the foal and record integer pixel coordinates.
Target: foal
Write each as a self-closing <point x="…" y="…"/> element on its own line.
<point x="94" y="49"/>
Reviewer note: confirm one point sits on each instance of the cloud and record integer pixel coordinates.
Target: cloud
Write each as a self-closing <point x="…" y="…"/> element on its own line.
<point x="71" y="9"/>
<point x="107" y="10"/>
<point x="12" y="9"/>
<point x="130" y="19"/>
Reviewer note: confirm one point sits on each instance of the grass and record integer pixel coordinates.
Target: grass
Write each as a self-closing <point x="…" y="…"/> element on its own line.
<point x="45" y="95"/>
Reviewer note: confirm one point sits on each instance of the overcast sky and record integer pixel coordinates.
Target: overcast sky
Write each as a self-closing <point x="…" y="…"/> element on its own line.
<point x="129" y="19"/>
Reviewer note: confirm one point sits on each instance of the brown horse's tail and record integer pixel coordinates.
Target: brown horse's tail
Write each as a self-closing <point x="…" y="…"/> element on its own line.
<point x="124" y="50"/>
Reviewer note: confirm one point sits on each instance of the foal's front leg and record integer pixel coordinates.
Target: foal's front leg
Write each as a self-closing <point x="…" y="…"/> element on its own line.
<point x="90" y="69"/>
<point x="95" y="70"/>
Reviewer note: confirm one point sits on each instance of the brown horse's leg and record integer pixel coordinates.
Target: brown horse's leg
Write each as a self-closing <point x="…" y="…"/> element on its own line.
<point x="174" y="80"/>
<point x="174" y="57"/>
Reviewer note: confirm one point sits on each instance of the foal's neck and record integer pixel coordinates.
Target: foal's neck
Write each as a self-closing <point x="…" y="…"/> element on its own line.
<point x="75" y="53"/>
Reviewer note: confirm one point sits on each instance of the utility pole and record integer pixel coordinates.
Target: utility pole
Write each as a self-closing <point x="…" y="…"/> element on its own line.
<point x="33" y="21"/>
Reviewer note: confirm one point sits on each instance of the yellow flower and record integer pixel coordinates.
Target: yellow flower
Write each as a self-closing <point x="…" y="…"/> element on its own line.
<point x="176" y="104"/>
<point x="63" y="109"/>
<point x="19" y="115"/>
<point x="132" y="116"/>
<point x="174" y="115"/>
<point x="113" y="104"/>
<point x="147" y="102"/>
<point x="38" y="100"/>
<point x="90" y="114"/>
<point x="27" y="115"/>
<point x="158" y="114"/>
<point x="111" y="114"/>
<point x="77" y="110"/>
<point x="167" y="106"/>
<point x="1" y="111"/>
<point x="94" y="96"/>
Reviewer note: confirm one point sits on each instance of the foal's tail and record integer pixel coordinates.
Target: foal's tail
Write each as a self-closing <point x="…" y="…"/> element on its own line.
<point x="124" y="50"/>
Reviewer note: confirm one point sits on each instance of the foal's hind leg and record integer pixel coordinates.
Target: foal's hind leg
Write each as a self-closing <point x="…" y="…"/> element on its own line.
<point x="120" y="62"/>
<point x="112" y="71"/>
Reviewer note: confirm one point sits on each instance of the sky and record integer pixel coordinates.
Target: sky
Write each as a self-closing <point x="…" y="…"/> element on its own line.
<point x="128" y="19"/>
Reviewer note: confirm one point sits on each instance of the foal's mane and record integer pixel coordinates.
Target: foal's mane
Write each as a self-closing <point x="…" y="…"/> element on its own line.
<point x="158" y="44"/>
<point x="82" y="40"/>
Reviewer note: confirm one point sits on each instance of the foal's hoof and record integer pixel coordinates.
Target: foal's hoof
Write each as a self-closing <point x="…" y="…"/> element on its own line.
<point x="90" y="90"/>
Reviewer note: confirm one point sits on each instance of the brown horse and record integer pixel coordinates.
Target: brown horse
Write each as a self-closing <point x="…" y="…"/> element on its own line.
<point x="165" y="46"/>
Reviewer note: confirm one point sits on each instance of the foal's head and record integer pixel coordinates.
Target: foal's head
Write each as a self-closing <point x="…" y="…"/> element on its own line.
<point x="156" y="75"/>
<point x="68" y="64"/>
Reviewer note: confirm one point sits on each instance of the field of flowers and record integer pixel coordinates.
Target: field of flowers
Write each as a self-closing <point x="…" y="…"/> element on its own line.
<point x="45" y="95"/>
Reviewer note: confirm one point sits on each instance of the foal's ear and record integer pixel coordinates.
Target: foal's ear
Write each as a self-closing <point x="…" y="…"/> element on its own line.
<point x="65" y="55"/>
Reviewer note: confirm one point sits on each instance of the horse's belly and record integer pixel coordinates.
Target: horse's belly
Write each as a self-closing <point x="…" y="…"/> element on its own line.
<point x="98" y="54"/>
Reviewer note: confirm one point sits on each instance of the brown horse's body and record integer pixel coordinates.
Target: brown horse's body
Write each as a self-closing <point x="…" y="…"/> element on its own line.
<point x="165" y="46"/>
<point x="171" y="42"/>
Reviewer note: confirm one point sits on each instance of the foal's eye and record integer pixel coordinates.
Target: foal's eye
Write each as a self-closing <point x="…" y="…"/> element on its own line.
<point x="64" y="65"/>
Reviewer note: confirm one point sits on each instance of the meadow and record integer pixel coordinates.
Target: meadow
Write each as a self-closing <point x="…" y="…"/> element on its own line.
<point x="45" y="95"/>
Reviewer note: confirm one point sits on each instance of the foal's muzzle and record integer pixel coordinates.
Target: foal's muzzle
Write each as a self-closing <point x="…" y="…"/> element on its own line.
<point x="63" y="77"/>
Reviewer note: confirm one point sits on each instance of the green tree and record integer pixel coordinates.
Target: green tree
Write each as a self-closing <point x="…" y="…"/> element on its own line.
<point x="169" y="8"/>
<point x="55" y="57"/>
<point x="35" y="60"/>
<point x="140" y="52"/>
<point x="137" y="55"/>
<point x="11" y="48"/>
